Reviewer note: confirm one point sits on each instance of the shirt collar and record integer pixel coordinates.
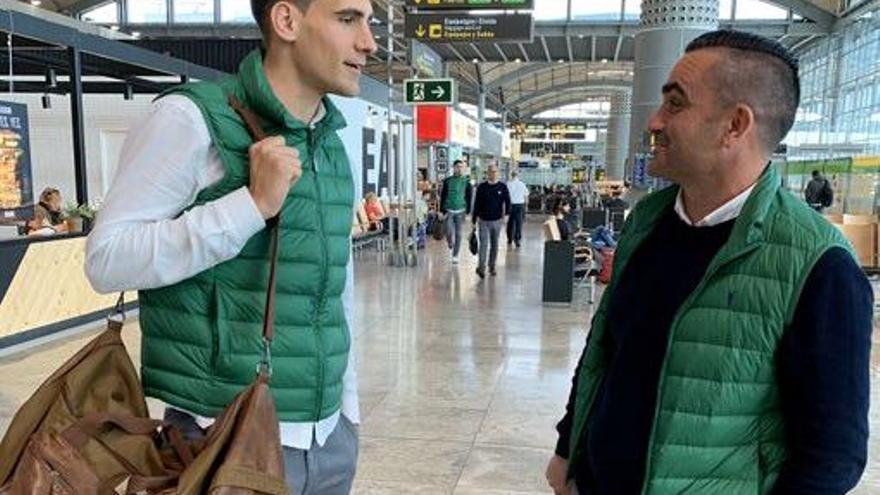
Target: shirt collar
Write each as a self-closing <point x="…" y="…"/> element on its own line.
<point x="727" y="211"/>
<point x="262" y="99"/>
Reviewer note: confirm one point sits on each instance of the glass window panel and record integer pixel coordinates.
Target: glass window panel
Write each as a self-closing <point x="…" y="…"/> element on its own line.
<point x="105" y="14"/>
<point x="756" y="9"/>
<point x="595" y="10"/>
<point x="725" y="9"/>
<point x="236" y="11"/>
<point x="193" y="11"/>
<point x="550" y="10"/>
<point x="633" y="10"/>
<point x="147" y="11"/>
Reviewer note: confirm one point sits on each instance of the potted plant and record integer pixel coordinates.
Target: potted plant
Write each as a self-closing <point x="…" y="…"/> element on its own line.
<point x="76" y="215"/>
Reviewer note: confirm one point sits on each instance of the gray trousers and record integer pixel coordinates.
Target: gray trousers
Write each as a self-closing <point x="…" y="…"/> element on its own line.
<point x="452" y="226"/>
<point x="489" y="232"/>
<point x="327" y="470"/>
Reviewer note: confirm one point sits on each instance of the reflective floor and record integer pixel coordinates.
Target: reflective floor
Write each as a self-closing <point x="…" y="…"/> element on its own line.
<point x="461" y="380"/>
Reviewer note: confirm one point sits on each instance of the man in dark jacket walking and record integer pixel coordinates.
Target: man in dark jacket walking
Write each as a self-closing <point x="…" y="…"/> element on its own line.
<point x="819" y="194"/>
<point x="491" y="206"/>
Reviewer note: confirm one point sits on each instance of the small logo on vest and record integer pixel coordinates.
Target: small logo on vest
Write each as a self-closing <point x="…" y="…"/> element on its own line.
<point x="730" y="298"/>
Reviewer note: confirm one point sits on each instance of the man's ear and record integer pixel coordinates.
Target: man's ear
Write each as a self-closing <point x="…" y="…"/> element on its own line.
<point x="285" y="19"/>
<point x="742" y="122"/>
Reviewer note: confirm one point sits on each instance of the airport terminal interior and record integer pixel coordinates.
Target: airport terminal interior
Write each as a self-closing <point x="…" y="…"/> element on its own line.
<point x="462" y="374"/>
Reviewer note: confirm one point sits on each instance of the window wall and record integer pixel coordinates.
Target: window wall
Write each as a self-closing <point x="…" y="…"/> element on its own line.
<point x="838" y="124"/>
<point x="239" y="11"/>
<point x="181" y="12"/>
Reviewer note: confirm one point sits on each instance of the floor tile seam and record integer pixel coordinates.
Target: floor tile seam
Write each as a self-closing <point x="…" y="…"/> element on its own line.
<point x="482" y="422"/>
<point x="548" y="450"/>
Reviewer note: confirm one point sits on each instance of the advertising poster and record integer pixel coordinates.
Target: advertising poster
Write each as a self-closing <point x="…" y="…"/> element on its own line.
<point x="16" y="177"/>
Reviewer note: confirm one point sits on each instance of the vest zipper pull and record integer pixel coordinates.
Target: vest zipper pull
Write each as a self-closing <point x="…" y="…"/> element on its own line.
<point x="310" y="135"/>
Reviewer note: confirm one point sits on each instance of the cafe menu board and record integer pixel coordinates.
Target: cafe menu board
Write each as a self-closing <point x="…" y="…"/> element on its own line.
<point x="16" y="177"/>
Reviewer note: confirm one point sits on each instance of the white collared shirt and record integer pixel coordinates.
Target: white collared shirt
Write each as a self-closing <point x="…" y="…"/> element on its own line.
<point x="518" y="191"/>
<point x="727" y="211"/>
<point x="140" y="242"/>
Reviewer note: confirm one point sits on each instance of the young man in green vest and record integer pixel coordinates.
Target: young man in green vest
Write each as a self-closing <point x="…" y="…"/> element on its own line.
<point x="455" y="203"/>
<point x="185" y="224"/>
<point x="730" y="353"/>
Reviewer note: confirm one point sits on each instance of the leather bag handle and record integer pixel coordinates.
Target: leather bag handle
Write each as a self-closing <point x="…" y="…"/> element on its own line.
<point x="258" y="134"/>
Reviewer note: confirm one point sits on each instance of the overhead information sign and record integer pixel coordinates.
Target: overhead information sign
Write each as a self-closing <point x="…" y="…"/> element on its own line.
<point x="468" y="28"/>
<point x="426" y="61"/>
<point x="429" y="91"/>
<point x="471" y="4"/>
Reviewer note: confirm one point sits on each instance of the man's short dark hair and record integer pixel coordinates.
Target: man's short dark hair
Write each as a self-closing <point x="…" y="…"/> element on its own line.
<point x="759" y="72"/>
<point x="815" y="173"/>
<point x="457" y="162"/>
<point x="260" y="10"/>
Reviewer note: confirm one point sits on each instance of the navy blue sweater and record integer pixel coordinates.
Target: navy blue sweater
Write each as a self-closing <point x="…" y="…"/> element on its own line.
<point x="492" y="201"/>
<point x="822" y="366"/>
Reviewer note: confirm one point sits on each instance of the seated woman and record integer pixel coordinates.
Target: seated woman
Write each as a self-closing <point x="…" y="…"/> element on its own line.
<point x="40" y="225"/>
<point x="50" y="199"/>
<point x="375" y="212"/>
<point x="48" y="218"/>
<point x="561" y="208"/>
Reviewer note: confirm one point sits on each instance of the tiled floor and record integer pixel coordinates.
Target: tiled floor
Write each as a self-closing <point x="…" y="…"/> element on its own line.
<point x="461" y="380"/>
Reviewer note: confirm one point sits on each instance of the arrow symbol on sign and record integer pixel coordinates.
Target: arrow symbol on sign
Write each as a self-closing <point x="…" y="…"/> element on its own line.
<point x="438" y="92"/>
<point x="420" y="31"/>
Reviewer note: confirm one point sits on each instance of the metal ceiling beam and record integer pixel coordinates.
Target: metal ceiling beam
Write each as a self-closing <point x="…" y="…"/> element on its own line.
<point x="517" y="74"/>
<point x="801" y="43"/>
<point x="854" y="14"/>
<point x="546" y="50"/>
<point x="537" y="68"/>
<point x="570" y="51"/>
<point x="501" y="52"/>
<point x="456" y="52"/>
<point x="82" y="6"/>
<point x="559" y="101"/>
<point x="630" y="28"/>
<point x="479" y="53"/>
<point x="523" y="51"/>
<point x="617" y="48"/>
<point x="48" y="32"/>
<point x="811" y="11"/>
<point x="606" y="83"/>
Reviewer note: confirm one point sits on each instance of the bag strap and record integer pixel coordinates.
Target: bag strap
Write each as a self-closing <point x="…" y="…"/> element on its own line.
<point x="264" y="369"/>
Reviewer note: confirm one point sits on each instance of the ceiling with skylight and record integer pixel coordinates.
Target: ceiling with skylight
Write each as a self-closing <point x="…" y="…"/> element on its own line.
<point x="578" y="45"/>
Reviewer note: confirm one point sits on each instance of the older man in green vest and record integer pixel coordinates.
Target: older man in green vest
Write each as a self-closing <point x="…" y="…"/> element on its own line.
<point x="730" y="353"/>
<point x="185" y="224"/>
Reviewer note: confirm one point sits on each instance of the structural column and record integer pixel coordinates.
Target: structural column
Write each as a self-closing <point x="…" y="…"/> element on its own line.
<point x="666" y="27"/>
<point x="617" y="142"/>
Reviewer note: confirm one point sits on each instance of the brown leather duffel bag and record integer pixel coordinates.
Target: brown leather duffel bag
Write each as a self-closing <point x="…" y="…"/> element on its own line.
<point x="86" y="430"/>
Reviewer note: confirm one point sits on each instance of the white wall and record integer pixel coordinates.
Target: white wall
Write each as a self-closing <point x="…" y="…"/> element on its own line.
<point x="108" y="118"/>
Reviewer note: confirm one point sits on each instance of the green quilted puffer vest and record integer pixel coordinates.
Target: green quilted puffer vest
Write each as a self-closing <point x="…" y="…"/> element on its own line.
<point x="202" y="336"/>
<point x="718" y="427"/>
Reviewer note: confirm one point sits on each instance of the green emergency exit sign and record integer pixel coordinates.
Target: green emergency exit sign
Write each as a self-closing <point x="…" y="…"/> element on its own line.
<point x="429" y="91"/>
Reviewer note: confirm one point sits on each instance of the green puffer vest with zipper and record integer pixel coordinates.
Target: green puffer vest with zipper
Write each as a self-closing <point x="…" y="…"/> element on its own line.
<point x="202" y="336"/>
<point x="718" y="427"/>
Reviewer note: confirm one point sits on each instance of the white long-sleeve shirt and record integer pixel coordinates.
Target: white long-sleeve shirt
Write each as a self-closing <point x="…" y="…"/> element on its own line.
<point x="140" y="242"/>
<point x="519" y="193"/>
